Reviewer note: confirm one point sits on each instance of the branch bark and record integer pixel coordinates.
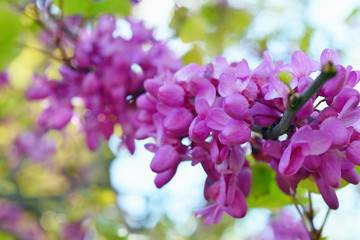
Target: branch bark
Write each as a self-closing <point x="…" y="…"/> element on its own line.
<point x="295" y="102"/>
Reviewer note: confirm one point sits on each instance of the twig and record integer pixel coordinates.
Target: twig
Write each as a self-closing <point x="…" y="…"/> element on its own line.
<point x="325" y="219"/>
<point x="303" y="216"/>
<point x="47" y="53"/>
<point x="296" y="101"/>
<point x="58" y="37"/>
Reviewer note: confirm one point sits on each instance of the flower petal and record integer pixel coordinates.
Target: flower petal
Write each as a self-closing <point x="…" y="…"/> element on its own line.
<point x="293" y="157"/>
<point x="178" y="121"/>
<point x="336" y="129"/>
<point x="236" y="106"/>
<point x="328" y="193"/>
<point x="203" y="88"/>
<point x="238" y="207"/>
<point x="273" y="148"/>
<point x="212" y="214"/>
<point x="171" y="95"/>
<point x="243" y="70"/>
<point x="227" y="85"/>
<point x="352" y="152"/>
<point x="185" y="73"/>
<point x="235" y="132"/>
<point x="227" y="189"/>
<point x="217" y="119"/>
<point x="329" y="55"/>
<point x="202" y="107"/>
<point x="351" y="176"/>
<point x="61" y="117"/>
<point x="312" y="163"/>
<point x="333" y="86"/>
<point x="330" y="169"/>
<point x="244" y="181"/>
<point x="301" y="64"/>
<point x="164" y="177"/>
<point x="166" y="157"/>
<point x="320" y="143"/>
<point x="198" y="131"/>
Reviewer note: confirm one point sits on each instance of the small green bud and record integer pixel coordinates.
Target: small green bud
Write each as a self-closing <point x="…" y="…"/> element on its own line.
<point x="285" y="77"/>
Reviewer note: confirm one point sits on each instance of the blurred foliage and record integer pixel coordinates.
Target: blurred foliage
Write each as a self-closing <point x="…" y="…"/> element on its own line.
<point x="215" y="25"/>
<point x="51" y="185"/>
<point x="264" y="190"/>
<point x="11" y="27"/>
<point x="69" y="185"/>
<point x="89" y="8"/>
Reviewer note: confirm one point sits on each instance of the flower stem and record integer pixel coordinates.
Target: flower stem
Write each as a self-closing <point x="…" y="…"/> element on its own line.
<point x="323" y="224"/>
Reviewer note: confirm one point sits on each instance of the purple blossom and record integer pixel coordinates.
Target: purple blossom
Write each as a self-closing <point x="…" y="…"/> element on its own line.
<point x="285" y="225"/>
<point x="107" y="73"/>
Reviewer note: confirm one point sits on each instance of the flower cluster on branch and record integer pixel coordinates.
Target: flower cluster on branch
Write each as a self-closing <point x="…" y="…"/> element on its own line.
<point x="216" y="106"/>
<point x="213" y="115"/>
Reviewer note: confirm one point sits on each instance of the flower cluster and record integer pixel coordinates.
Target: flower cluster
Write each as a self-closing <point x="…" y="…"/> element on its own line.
<point x="14" y="219"/>
<point x="210" y="106"/>
<point x="209" y="115"/>
<point x="284" y="225"/>
<point x="33" y="144"/>
<point x="104" y="76"/>
<point x="323" y="145"/>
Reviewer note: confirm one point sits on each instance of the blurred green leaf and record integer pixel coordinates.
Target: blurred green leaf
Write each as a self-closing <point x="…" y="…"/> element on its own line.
<point x="90" y="7"/>
<point x="265" y="193"/>
<point x="237" y="21"/>
<point x="262" y="177"/>
<point x="11" y="27"/>
<point x="309" y="185"/>
<point x="352" y="14"/>
<point x="76" y="7"/>
<point x="212" y="13"/>
<point x="111" y="229"/>
<point x="194" y="55"/>
<point x="305" y="40"/>
<point x="6" y="236"/>
<point x="178" y="19"/>
<point x="193" y="29"/>
<point x="111" y="6"/>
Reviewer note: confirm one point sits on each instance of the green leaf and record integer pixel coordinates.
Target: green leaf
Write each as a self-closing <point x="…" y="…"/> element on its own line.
<point x="237" y="21"/>
<point x="357" y="168"/>
<point x="179" y="18"/>
<point x="90" y="7"/>
<point x="305" y="41"/>
<point x="111" y="6"/>
<point x="352" y="14"/>
<point x="286" y="78"/>
<point x="309" y="185"/>
<point x="77" y="7"/>
<point x="193" y="29"/>
<point x="195" y="55"/>
<point x="6" y="236"/>
<point x="110" y="229"/>
<point x="264" y="192"/>
<point x="11" y="27"/>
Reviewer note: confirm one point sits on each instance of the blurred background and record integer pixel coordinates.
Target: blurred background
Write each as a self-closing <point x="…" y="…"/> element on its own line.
<point x="53" y="187"/>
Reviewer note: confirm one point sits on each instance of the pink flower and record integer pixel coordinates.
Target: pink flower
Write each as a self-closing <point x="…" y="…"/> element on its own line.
<point x="303" y="143"/>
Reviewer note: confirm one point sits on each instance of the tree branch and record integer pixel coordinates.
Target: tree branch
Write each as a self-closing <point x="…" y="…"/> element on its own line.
<point x="296" y="102"/>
